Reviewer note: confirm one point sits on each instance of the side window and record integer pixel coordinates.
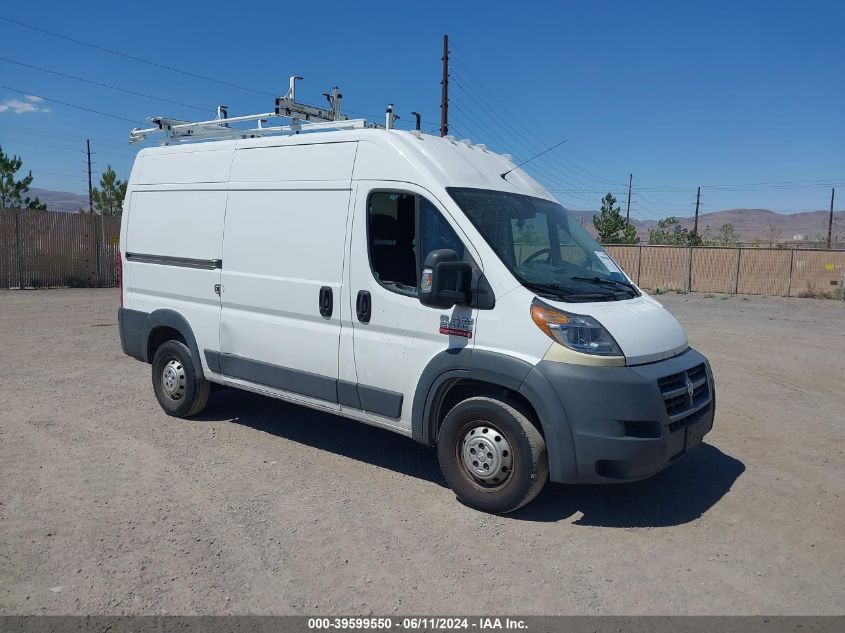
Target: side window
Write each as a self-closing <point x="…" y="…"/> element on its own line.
<point x="435" y="232"/>
<point x="392" y="221"/>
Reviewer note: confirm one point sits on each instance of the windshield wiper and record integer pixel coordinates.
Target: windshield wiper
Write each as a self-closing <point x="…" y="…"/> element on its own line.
<point x="548" y="289"/>
<point x="605" y="282"/>
<point x="560" y="292"/>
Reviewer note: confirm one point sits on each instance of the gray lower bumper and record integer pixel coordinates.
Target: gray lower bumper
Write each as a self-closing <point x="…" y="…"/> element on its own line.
<point x="621" y="423"/>
<point x="131" y="325"/>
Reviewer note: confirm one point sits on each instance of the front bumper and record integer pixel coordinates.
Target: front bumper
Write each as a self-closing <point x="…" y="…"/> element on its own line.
<point x="624" y="423"/>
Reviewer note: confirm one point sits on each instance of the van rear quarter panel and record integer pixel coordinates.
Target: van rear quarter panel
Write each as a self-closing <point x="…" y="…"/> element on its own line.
<point x="177" y="208"/>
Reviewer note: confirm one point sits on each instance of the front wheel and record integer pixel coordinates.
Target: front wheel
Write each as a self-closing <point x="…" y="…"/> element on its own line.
<point x="491" y="455"/>
<point x="178" y="386"/>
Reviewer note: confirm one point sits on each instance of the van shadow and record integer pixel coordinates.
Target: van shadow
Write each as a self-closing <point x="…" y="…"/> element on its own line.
<point x="680" y="494"/>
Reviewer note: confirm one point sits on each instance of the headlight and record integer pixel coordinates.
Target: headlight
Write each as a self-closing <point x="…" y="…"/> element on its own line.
<point x="578" y="332"/>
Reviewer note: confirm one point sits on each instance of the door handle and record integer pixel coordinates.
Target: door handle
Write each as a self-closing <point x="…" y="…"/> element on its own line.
<point x="326" y="301"/>
<point x="363" y="306"/>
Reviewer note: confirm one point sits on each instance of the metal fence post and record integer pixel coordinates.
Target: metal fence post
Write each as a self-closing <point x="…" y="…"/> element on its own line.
<point x="736" y="281"/>
<point x="18" y="250"/>
<point x="689" y="269"/>
<point x="98" y="246"/>
<point x="639" y="263"/>
<point x="791" y="261"/>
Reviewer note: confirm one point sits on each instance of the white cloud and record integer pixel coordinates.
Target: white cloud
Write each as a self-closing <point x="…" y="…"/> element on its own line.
<point x="18" y="106"/>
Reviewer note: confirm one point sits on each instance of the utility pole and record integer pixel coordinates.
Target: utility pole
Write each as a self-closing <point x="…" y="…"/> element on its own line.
<point x="98" y="225"/>
<point x="628" y="211"/>
<point x="697" y="203"/>
<point x="90" y="186"/>
<point x="830" y="219"/>
<point x="444" y="92"/>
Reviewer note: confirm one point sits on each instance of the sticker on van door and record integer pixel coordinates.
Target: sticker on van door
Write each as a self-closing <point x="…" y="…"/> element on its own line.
<point x="456" y="325"/>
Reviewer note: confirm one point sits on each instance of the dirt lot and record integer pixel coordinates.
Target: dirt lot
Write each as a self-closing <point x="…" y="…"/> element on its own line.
<point x="109" y="506"/>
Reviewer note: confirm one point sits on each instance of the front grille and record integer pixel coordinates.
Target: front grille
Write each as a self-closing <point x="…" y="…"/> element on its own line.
<point x="680" y="403"/>
<point x="688" y="420"/>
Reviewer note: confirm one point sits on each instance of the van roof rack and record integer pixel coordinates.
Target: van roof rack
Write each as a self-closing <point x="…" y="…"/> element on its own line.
<point x="303" y="118"/>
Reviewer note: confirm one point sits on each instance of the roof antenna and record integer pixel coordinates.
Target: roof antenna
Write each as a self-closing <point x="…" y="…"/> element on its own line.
<point x="546" y="151"/>
<point x="390" y="117"/>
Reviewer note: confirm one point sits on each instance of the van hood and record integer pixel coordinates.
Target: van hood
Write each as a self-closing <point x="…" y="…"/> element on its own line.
<point x="642" y="327"/>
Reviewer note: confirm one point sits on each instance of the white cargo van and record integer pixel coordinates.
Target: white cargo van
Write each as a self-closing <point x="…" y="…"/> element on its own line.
<point x="399" y="279"/>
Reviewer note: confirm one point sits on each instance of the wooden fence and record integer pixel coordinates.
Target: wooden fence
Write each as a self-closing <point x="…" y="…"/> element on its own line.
<point x="46" y="249"/>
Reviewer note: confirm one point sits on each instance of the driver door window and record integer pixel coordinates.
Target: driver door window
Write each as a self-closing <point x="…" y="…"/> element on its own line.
<point x="398" y="224"/>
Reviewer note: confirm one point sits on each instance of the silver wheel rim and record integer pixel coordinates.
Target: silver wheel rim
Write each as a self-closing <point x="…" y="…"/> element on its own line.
<point x="173" y="379"/>
<point x="487" y="455"/>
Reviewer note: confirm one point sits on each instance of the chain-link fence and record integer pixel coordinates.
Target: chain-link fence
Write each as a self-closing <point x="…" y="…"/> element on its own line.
<point x="44" y="248"/>
<point x="759" y="271"/>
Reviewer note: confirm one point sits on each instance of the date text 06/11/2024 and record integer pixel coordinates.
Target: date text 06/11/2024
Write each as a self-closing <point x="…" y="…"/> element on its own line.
<point x="415" y="623"/>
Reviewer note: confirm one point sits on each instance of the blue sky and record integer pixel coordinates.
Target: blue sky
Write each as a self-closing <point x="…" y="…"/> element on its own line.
<point x="743" y="98"/>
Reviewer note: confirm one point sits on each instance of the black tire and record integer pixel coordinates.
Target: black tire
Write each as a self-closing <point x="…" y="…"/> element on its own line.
<point x="189" y="395"/>
<point x="529" y="464"/>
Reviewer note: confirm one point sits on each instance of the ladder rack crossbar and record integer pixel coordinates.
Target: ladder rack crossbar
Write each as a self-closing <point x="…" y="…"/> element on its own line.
<point x="303" y="118"/>
<point x="233" y="119"/>
<point x="219" y="132"/>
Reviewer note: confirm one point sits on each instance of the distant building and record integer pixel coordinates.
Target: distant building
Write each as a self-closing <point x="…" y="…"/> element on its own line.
<point x="800" y="237"/>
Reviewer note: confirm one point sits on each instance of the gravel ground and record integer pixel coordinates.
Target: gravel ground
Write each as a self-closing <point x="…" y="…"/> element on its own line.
<point x="107" y="506"/>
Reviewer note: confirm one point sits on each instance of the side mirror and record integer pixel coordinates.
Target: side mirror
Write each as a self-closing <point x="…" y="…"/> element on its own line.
<point x="445" y="280"/>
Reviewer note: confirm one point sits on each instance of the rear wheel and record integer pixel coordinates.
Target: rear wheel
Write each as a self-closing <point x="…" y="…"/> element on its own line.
<point x="491" y="455"/>
<point x="178" y="387"/>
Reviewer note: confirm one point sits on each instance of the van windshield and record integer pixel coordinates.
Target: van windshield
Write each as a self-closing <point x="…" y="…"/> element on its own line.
<point x="544" y="247"/>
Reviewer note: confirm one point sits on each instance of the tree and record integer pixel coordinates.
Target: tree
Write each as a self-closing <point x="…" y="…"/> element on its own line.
<point x="11" y="189"/>
<point x="109" y="199"/>
<point x="611" y="226"/>
<point x="727" y="236"/>
<point x="669" y="231"/>
<point x="694" y="239"/>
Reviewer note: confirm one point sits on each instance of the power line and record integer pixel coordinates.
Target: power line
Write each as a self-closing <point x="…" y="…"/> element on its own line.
<point x="506" y="124"/>
<point x="728" y="188"/>
<point x="56" y="173"/>
<point x="133" y="57"/>
<point x="105" y="85"/>
<point x="455" y="127"/>
<point x="463" y="83"/>
<point x="529" y="148"/>
<point x="561" y="179"/>
<point x="142" y="60"/>
<point x="523" y="126"/>
<point x="753" y="186"/>
<point x="52" y="134"/>
<point x="61" y="148"/>
<point x="495" y="98"/>
<point x="71" y="105"/>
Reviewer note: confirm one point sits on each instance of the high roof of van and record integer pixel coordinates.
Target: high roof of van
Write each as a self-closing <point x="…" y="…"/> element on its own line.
<point x="394" y="155"/>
